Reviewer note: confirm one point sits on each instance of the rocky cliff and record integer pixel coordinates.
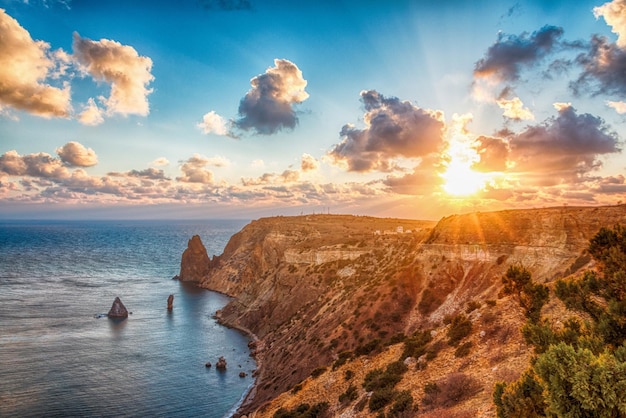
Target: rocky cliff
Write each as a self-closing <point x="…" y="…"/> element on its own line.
<point x="314" y="287"/>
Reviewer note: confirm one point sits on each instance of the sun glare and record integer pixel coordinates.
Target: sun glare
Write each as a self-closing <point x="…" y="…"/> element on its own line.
<point x="459" y="178"/>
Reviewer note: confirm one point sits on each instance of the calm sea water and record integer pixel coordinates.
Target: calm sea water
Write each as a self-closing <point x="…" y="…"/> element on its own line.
<point x="58" y="359"/>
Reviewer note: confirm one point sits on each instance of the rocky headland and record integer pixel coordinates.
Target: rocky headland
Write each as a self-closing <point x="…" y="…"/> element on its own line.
<point x="329" y="296"/>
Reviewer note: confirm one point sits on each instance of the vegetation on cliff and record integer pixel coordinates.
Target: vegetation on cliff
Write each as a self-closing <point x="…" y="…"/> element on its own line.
<point x="580" y="369"/>
<point x="334" y="298"/>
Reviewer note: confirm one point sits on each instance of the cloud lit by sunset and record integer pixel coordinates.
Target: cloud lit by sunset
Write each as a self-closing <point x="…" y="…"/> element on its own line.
<point x="284" y="108"/>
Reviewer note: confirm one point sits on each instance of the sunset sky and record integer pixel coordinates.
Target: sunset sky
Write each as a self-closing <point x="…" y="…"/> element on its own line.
<point x="248" y="108"/>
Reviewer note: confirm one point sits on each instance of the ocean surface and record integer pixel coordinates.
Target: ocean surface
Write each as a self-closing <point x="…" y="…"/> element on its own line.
<point x="57" y="358"/>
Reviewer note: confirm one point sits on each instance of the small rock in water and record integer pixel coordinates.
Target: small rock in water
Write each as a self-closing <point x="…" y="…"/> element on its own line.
<point x="242" y="374"/>
<point x="170" y="302"/>
<point x="221" y="363"/>
<point x="208" y="364"/>
<point x="118" y="310"/>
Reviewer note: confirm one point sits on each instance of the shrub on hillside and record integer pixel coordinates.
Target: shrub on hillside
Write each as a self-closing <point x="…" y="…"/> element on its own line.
<point x="451" y="390"/>
<point x="460" y="327"/>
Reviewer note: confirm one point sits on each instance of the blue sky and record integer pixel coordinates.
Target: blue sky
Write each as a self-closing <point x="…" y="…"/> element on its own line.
<point x="245" y="108"/>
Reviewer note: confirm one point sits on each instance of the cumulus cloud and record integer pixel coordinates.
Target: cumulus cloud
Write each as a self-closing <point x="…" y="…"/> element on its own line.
<point x="308" y="163"/>
<point x="122" y="67"/>
<point x="620" y="107"/>
<point x="423" y="179"/>
<point x="493" y="154"/>
<point x="268" y="106"/>
<point x="603" y="69"/>
<point x="76" y="155"/>
<point x="24" y="66"/>
<point x="194" y="170"/>
<point x="212" y="123"/>
<point x="40" y="165"/>
<point x="614" y="14"/>
<point x="394" y="128"/>
<point x="514" y="109"/>
<point x="91" y="114"/>
<point x="563" y="149"/>
<point x="160" y="161"/>
<point x="506" y="58"/>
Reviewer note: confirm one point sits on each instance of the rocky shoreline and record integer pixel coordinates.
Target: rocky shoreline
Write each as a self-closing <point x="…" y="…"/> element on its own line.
<point x="256" y="347"/>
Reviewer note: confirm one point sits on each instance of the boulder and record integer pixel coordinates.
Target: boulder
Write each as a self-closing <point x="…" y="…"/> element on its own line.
<point x="242" y="374"/>
<point x="208" y="364"/>
<point x="118" y="310"/>
<point x="170" y="302"/>
<point x="194" y="264"/>
<point x="221" y="363"/>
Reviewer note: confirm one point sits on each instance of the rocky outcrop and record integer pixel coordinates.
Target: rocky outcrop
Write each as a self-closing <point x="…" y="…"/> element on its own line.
<point x="194" y="264"/>
<point x="118" y="310"/>
<point x="311" y="287"/>
<point x="221" y="363"/>
<point x="170" y="302"/>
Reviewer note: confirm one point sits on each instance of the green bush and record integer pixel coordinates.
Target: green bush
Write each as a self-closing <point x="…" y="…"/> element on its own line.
<point x="463" y="349"/>
<point x="460" y="327"/>
<point x="403" y="403"/>
<point x="349" y="395"/>
<point x="381" y="398"/>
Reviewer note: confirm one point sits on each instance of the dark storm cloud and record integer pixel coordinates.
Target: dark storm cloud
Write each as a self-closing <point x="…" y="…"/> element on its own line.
<point x="604" y="69"/>
<point x="395" y="128"/>
<point x="505" y="59"/>
<point x="268" y="106"/>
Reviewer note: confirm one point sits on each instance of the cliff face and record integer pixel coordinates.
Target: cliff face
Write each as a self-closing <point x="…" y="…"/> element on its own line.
<point x="312" y="287"/>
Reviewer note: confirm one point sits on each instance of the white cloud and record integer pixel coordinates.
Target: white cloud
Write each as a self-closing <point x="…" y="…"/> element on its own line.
<point x="75" y="154"/>
<point x="212" y="123"/>
<point x="24" y="66"/>
<point x="123" y="68"/>
<point x="620" y="107"/>
<point x="614" y="14"/>
<point x="91" y="114"/>
<point x="514" y="109"/>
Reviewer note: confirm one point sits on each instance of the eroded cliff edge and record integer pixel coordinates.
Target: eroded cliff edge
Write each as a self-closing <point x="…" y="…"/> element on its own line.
<point x="312" y="287"/>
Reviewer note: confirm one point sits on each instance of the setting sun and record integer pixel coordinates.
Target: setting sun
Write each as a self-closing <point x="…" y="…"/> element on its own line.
<point x="461" y="180"/>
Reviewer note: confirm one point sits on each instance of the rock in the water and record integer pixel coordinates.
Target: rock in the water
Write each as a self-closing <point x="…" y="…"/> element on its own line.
<point x="208" y="364"/>
<point x="194" y="264"/>
<point x="242" y="374"/>
<point x="221" y="363"/>
<point x="170" y="302"/>
<point x="118" y="310"/>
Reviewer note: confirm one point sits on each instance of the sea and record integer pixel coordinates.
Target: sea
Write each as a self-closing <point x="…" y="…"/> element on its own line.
<point x="61" y="356"/>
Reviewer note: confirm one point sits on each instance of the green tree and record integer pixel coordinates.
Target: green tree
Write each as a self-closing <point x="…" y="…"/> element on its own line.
<point x="530" y="295"/>
<point x="581" y="368"/>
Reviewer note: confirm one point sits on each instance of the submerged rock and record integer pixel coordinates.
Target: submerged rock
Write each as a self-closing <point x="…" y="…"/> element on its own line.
<point x="208" y="364"/>
<point x="221" y="363"/>
<point x="118" y="310"/>
<point x="170" y="302"/>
